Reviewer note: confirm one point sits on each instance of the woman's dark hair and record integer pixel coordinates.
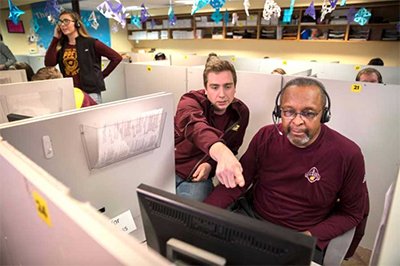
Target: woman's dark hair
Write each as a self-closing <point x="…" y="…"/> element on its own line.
<point x="376" y="62"/>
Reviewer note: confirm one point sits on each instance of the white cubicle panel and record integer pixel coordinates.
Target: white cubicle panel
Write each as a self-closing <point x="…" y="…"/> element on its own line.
<point x="102" y="153"/>
<point x="369" y="114"/>
<point x="142" y="57"/>
<point x="115" y="84"/>
<point x="246" y="64"/>
<point x="143" y="79"/>
<point x="256" y="90"/>
<point x="386" y="251"/>
<point x="188" y="60"/>
<point x="36" y="98"/>
<point x="14" y="76"/>
<point x="41" y="224"/>
<point x="291" y="67"/>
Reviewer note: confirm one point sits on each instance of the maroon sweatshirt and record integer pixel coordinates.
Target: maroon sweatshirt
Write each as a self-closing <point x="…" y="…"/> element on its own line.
<point x="197" y="128"/>
<point x="299" y="187"/>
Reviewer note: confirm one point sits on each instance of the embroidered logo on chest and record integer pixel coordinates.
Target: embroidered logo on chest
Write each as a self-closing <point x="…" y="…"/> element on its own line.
<point x="312" y="175"/>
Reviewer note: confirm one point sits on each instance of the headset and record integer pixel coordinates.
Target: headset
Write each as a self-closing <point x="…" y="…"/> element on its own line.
<point x="326" y="112"/>
<point x="77" y="24"/>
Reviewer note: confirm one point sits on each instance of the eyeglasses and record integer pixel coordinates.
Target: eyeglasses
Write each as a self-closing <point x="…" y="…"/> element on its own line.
<point x="65" y="21"/>
<point x="291" y="114"/>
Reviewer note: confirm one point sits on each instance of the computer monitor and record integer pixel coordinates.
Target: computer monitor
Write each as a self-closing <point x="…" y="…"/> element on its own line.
<point x="184" y="230"/>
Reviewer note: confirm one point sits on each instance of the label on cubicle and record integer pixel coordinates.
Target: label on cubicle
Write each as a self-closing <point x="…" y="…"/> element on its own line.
<point x="124" y="222"/>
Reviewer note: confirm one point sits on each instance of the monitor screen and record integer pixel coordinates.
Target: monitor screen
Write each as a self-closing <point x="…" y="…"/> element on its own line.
<point x="181" y="229"/>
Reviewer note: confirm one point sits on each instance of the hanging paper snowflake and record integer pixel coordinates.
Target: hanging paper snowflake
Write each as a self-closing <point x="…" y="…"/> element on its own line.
<point x="217" y="4"/>
<point x="144" y="14"/>
<point x="171" y="16"/>
<point x="113" y="11"/>
<point x="226" y="17"/>
<point x="350" y="14"/>
<point x="326" y="9"/>
<point x="271" y="9"/>
<point x="93" y="20"/>
<point x="15" y="12"/>
<point x="52" y="9"/>
<point x="343" y="3"/>
<point x="287" y="15"/>
<point x="216" y="16"/>
<point x="135" y="20"/>
<point x="246" y="4"/>
<point x="333" y="3"/>
<point x="198" y="4"/>
<point x="362" y="16"/>
<point x="310" y="11"/>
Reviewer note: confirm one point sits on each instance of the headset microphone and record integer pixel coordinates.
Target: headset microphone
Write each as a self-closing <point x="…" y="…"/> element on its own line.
<point x="274" y="119"/>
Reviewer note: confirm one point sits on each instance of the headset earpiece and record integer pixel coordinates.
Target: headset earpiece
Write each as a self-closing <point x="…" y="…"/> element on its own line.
<point x="77" y="24"/>
<point x="326" y="115"/>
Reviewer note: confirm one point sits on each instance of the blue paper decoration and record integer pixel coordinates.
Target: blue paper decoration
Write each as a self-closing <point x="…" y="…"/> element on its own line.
<point x="216" y="16"/>
<point x="226" y="17"/>
<point x="343" y="3"/>
<point x="135" y="20"/>
<point x="15" y="12"/>
<point x="287" y="15"/>
<point x="362" y="16"/>
<point x="217" y="4"/>
<point x="171" y="16"/>
<point x="333" y="3"/>
<point x="34" y="25"/>
<point x="52" y="8"/>
<point x="350" y="14"/>
<point x="144" y="14"/>
<point x="310" y="11"/>
<point x="198" y="4"/>
<point x="85" y="22"/>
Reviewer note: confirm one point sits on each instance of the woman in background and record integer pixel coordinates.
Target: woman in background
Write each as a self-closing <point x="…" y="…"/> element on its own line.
<point x="79" y="55"/>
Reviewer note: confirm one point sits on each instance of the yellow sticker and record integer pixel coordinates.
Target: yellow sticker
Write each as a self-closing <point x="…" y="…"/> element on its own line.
<point x="185" y="57"/>
<point x="233" y="59"/>
<point x="284" y="62"/>
<point x="357" y="67"/>
<point x="41" y="207"/>
<point x="149" y="68"/>
<point x="356" y="88"/>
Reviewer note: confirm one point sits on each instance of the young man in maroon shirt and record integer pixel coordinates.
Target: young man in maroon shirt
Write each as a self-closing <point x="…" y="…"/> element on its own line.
<point x="306" y="176"/>
<point x="209" y="128"/>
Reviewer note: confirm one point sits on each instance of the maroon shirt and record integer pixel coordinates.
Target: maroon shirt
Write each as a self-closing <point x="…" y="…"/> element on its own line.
<point x="299" y="187"/>
<point x="197" y="128"/>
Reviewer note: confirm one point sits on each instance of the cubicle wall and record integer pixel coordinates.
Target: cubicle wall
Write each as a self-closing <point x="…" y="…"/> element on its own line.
<point x="36" y="97"/>
<point x="370" y="116"/>
<point x="142" y="79"/>
<point x="102" y="153"/>
<point x="256" y="90"/>
<point x="41" y="224"/>
<point x="13" y="76"/>
<point x="115" y="84"/>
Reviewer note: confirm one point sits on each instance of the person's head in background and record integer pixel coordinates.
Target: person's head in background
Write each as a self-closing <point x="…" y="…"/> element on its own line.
<point x="376" y="62"/>
<point x="279" y="71"/>
<point x="71" y="26"/>
<point x="47" y="73"/>
<point x="28" y="69"/>
<point x="160" y="56"/>
<point x="211" y="56"/>
<point x="369" y="74"/>
<point x="219" y="77"/>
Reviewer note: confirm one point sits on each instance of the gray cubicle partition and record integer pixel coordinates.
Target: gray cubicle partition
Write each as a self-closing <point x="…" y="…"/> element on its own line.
<point x="41" y="224"/>
<point x="369" y="114"/>
<point x="102" y="153"/>
<point x="256" y="90"/>
<point x="36" y="97"/>
<point x="14" y="76"/>
<point x="115" y="84"/>
<point x="188" y="60"/>
<point x="142" y="79"/>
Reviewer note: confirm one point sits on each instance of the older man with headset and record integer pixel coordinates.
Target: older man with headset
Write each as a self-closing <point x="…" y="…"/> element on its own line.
<point x="305" y="175"/>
